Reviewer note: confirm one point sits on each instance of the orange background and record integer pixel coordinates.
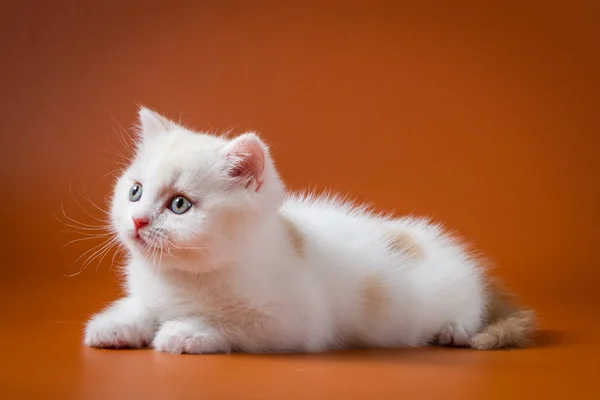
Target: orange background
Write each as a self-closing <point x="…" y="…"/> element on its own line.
<point x="483" y="115"/>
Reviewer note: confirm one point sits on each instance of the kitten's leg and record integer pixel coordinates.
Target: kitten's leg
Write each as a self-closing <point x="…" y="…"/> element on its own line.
<point x="191" y="336"/>
<point x="125" y="323"/>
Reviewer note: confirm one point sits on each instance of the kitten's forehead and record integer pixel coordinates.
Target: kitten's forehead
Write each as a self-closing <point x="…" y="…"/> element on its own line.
<point x="176" y="156"/>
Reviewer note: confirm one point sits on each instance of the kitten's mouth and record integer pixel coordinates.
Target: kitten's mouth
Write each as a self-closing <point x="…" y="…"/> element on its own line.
<point x="140" y="240"/>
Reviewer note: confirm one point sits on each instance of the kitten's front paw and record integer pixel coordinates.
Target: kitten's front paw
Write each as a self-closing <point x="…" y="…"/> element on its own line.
<point x="453" y="334"/>
<point x="103" y="333"/>
<point x="178" y="337"/>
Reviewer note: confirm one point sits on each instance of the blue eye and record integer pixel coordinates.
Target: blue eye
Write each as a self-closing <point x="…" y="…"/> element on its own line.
<point x="135" y="192"/>
<point x="180" y="205"/>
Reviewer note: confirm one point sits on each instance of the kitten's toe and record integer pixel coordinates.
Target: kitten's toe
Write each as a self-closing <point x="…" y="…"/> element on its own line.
<point x="453" y="334"/>
<point x="177" y="337"/>
<point x="109" y="334"/>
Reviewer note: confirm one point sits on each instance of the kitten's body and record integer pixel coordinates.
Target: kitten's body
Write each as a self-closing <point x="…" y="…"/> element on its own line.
<point x="252" y="270"/>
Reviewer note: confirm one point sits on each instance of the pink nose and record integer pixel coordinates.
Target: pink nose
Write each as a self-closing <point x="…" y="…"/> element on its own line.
<point x="139" y="223"/>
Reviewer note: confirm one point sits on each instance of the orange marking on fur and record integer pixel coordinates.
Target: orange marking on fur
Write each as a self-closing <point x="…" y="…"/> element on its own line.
<point x="375" y="296"/>
<point x="405" y="243"/>
<point x="224" y="310"/>
<point x="295" y="235"/>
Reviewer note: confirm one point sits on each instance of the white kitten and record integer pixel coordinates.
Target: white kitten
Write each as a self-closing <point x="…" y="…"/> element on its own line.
<point x="222" y="260"/>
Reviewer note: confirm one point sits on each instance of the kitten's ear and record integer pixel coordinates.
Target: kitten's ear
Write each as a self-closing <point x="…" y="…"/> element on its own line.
<point x="245" y="156"/>
<point x="153" y="124"/>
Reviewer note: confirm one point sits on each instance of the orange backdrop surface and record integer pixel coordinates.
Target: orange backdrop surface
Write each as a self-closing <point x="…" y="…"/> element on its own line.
<point x="483" y="115"/>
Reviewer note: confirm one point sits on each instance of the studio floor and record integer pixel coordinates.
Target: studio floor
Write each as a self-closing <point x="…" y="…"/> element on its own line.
<point x="43" y="358"/>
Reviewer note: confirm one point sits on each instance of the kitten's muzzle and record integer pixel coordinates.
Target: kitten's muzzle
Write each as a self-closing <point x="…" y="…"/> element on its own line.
<point x="139" y="223"/>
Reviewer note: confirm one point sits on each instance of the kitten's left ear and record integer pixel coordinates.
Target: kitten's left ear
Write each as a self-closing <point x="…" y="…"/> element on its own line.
<point x="153" y="124"/>
<point x="245" y="157"/>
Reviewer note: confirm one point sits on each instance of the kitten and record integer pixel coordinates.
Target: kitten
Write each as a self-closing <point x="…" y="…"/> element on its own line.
<point x="222" y="260"/>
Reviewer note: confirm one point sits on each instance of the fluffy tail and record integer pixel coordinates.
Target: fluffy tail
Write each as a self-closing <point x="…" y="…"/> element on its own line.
<point x="507" y="325"/>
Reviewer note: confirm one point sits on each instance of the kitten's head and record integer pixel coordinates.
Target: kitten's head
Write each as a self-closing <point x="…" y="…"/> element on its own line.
<point x="188" y="194"/>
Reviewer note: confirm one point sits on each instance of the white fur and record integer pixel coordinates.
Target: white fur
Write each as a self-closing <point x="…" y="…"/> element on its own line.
<point x="311" y="301"/>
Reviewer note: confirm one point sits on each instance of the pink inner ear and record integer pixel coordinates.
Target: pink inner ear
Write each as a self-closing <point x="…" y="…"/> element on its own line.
<point x="249" y="162"/>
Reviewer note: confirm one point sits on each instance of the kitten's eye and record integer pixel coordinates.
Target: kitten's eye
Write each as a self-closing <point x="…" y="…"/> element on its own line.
<point x="135" y="192"/>
<point x="180" y="205"/>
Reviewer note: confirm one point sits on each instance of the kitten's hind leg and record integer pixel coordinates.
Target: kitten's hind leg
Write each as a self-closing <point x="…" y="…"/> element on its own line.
<point x="124" y="324"/>
<point x="191" y="336"/>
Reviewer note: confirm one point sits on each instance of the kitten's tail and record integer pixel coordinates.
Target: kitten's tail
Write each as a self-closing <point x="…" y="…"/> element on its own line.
<point x="507" y="325"/>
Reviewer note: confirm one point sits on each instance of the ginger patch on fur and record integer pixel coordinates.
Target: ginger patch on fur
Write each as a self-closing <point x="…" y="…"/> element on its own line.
<point x="406" y="244"/>
<point x="295" y="236"/>
<point x="234" y="314"/>
<point x="375" y="296"/>
<point x="225" y="310"/>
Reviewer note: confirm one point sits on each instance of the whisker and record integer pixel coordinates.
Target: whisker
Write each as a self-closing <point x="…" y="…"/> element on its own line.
<point x="92" y="249"/>
<point x="152" y="255"/>
<point x="160" y="262"/>
<point x="98" y="253"/>
<point x="122" y="133"/>
<point x="115" y="153"/>
<point x="117" y="251"/>
<point x="187" y="247"/>
<point x="87" y="197"/>
<point x="114" y="171"/>
<point x="121" y="164"/>
<point x="73" y="220"/>
<point x="81" y="228"/>
<point x="83" y="208"/>
<point x="109" y="248"/>
<point x="76" y="273"/>
<point x="109" y="240"/>
<point x="87" y="233"/>
<point x="78" y="240"/>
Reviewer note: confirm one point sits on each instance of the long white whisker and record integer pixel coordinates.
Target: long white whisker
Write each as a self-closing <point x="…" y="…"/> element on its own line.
<point x="108" y="249"/>
<point x="112" y="261"/>
<point x="99" y="253"/>
<point x="80" y="240"/>
<point x="83" y="267"/>
<point x="187" y="247"/>
<point x="86" y="196"/>
<point x="114" y="171"/>
<point x="93" y="249"/>
<point x="73" y="220"/>
<point x="93" y="235"/>
<point x="121" y="133"/>
<point x="154" y="255"/>
<point x="84" y="210"/>
<point x="115" y="153"/>
<point x="82" y="228"/>
<point x="160" y="262"/>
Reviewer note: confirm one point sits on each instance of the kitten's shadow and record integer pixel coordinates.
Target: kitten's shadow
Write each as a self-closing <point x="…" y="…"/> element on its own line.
<point x="552" y="338"/>
<point x="430" y="354"/>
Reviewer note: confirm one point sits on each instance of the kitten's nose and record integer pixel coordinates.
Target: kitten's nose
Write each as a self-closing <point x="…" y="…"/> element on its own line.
<point x="139" y="223"/>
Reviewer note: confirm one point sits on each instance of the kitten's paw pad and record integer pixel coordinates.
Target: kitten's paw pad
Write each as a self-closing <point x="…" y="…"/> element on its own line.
<point x="453" y="334"/>
<point x="115" y="335"/>
<point x="177" y="338"/>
